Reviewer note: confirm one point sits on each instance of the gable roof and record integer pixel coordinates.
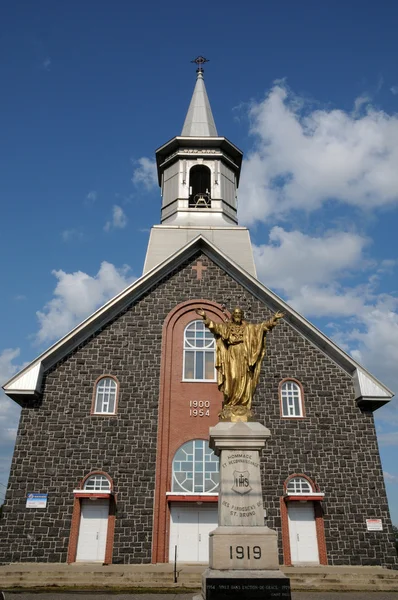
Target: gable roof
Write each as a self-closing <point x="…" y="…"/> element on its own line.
<point x="370" y="393"/>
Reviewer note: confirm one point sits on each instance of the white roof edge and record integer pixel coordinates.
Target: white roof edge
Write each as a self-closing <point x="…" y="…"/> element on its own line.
<point x="363" y="380"/>
<point x="199" y="138"/>
<point x="367" y="387"/>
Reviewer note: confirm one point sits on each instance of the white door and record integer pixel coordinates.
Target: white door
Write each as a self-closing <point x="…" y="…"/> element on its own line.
<point x="93" y="530"/>
<point x="302" y="533"/>
<point x="190" y="526"/>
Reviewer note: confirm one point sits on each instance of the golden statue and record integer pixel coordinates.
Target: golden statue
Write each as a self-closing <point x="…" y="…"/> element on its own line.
<point x="240" y="348"/>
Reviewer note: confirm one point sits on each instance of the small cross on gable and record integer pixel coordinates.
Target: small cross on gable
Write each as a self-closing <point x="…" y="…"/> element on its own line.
<point x="199" y="268"/>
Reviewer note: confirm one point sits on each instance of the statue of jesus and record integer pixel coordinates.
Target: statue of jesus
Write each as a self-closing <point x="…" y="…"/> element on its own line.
<point x="240" y="348"/>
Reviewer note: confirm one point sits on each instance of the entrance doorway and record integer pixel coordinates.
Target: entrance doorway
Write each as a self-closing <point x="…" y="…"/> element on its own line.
<point x="190" y="525"/>
<point x="302" y="533"/>
<point x="93" y="530"/>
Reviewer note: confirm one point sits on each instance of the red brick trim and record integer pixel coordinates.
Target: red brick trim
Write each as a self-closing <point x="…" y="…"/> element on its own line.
<point x="110" y="536"/>
<point x="303" y="498"/>
<point x="287" y="560"/>
<point x="76" y="515"/>
<point x="320" y="532"/>
<point x="74" y="531"/>
<point x="314" y="486"/>
<point x="83" y="481"/>
<point x="302" y="398"/>
<point x="172" y="435"/>
<point x="183" y="498"/>
<point x="115" y="379"/>
<point x="91" y="495"/>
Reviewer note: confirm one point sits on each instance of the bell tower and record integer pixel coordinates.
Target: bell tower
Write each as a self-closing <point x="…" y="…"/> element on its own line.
<point x="198" y="174"/>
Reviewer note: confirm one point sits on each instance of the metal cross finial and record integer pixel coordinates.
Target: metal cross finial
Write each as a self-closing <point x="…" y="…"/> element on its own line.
<point x="200" y="60"/>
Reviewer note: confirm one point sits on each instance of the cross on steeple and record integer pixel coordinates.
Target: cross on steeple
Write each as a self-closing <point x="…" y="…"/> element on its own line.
<point x="200" y="60"/>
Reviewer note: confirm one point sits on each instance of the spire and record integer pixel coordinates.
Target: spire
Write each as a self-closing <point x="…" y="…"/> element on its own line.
<point x="199" y="121"/>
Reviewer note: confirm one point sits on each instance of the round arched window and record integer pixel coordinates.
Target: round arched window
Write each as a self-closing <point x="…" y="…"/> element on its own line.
<point x="292" y="401"/>
<point x="97" y="483"/>
<point x="195" y="468"/>
<point x="298" y="485"/>
<point x="105" y="396"/>
<point x="199" y="352"/>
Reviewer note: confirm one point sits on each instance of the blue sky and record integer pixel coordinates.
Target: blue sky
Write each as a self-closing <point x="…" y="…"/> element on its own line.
<point x="309" y="92"/>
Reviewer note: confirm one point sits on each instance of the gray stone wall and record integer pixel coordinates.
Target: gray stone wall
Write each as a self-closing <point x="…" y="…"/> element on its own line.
<point x="59" y="442"/>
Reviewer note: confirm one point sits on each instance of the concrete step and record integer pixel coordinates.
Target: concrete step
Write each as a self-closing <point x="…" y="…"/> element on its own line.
<point x="36" y="576"/>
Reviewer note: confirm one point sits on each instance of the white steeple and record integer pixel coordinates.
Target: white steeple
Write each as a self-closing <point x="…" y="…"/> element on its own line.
<point x="199" y="176"/>
<point x="199" y="120"/>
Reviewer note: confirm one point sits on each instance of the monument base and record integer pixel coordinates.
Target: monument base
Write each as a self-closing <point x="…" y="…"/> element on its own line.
<point x="244" y="585"/>
<point x="253" y="548"/>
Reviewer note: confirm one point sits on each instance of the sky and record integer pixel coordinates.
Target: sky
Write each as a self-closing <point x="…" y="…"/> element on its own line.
<point x="307" y="90"/>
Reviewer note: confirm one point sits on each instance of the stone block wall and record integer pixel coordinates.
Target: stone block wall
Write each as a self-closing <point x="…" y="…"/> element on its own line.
<point x="59" y="441"/>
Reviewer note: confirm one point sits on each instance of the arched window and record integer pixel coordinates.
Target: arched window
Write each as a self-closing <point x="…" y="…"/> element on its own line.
<point x="195" y="468"/>
<point x="199" y="187"/>
<point x="97" y="483"/>
<point x="199" y="353"/>
<point x="291" y="399"/>
<point x="298" y="485"/>
<point x="105" y="396"/>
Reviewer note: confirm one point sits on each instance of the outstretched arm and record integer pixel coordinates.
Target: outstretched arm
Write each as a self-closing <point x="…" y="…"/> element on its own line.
<point x="201" y="313"/>
<point x="270" y="324"/>
<point x="214" y="327"/>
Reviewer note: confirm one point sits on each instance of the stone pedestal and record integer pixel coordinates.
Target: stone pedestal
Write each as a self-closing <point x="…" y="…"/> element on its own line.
<point x="243" y="560"/>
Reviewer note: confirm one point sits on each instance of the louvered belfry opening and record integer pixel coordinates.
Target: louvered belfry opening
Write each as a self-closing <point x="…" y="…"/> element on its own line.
<point x="199" y="187"/>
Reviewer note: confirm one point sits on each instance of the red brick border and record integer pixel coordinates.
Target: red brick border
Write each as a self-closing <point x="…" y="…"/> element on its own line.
<point x="115" y="379"/>
<point x="319" y="523"/>
<point x="172" y="434"/>
<point x="302" y="398"/>
<point x="76" y="514"/>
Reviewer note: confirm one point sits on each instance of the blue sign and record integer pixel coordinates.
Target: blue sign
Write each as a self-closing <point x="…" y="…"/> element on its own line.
<point x="34" y="500"/>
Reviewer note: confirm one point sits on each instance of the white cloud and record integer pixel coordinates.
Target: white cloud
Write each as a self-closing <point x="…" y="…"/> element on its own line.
<point x="388" y="439"/>
<point x="7" y="368"/>
<point x="377" y="339"/>
<point x="313" y="274"/>
<point x="91" y="197"/>
<point x="390" y="478"/>
<point x="305" y="157"/>
<point x="76" y="296"/>
<point x="306" y="269"/>
<point x="71" y="234"/>
<point x="145" y="174"/>
<point x="9" y="411"/>
<point x="394" y="90"/>
<point x="293" y="258"/>
<point x="46" y="64"/>
<point x="119" y="219"/>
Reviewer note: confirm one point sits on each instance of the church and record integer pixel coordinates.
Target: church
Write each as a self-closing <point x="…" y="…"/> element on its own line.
<point x="112" y="462"/>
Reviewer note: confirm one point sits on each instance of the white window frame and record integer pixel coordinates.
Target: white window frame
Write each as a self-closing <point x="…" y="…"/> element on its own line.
<point x="187" y="347"/>
<point x="100" y="483"/>
<point x="298" y="483"/>
<point x="105" y="399"/>
<point x="290" y="397"/>
<point x="198" y="467"/>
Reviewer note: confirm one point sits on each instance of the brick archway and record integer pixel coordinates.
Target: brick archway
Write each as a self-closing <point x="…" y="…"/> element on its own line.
<point x="175" y="426"/>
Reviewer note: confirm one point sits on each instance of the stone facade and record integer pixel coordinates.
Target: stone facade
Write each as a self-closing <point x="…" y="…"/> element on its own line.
<point x="59" y="441"/>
